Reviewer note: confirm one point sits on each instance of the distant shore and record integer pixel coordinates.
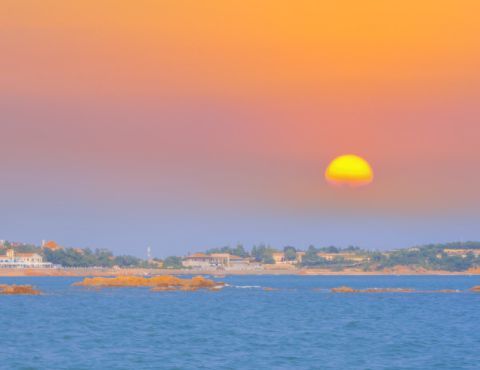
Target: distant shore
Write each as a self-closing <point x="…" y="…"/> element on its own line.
<point x="82" y="272"/>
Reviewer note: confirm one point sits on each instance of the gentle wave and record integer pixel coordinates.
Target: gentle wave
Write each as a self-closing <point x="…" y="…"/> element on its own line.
<point x="246" y="286"/>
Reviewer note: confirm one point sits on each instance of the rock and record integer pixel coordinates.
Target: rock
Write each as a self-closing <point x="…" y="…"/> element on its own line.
<point x="18" y="290"/>
<point x="387" y="290"/>
<point x="157" y="283"/>
<point x="347" y="289"/>
<point x="344" y="289"/>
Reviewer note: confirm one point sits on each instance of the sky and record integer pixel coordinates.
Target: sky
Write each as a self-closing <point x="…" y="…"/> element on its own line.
<point x="184" y="124"/>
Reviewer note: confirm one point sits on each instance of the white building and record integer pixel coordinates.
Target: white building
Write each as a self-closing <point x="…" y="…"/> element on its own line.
<point x="22" y="260"/>
<point x="215" y="260"/>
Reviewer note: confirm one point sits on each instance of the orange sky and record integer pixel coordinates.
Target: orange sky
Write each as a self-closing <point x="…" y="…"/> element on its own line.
<point x="238" y="47"/>
<point x="243" y="103"/>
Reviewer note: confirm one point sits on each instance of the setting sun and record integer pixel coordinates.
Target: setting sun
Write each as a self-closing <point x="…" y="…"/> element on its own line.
<point x="349" y="170"/>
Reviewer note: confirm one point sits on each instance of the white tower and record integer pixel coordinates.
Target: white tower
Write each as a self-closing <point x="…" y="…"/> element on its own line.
<point x="149" y="254"/>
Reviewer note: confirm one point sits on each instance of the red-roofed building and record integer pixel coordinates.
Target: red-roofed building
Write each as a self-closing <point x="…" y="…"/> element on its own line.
<point x="52" y="245"/>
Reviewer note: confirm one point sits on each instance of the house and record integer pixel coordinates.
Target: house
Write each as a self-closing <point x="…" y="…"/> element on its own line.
<point x="346" y="256"/>
<point x="239" y="263"/>
<point x="220" y="259"/>
<point x="214" y="260"/>
<point x="299" y="256"/>
<point x="23" y="260"/>
<point x="197" y="260"/>
<point x="462" y="252"/>
<point x="279" y="257"/>
<point x="53" y="246"/>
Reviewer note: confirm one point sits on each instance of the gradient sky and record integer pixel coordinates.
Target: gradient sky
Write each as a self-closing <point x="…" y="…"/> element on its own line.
<point x="185" y="124"/>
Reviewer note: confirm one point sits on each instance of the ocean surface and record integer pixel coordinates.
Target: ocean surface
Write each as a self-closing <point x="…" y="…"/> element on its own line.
<point x="299" y="326"/>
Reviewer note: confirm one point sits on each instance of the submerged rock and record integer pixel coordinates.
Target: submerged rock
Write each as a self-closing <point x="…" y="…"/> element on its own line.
<point x="157" y="283"/>
<point x="476" y="289"/>
<point x="347" y="289"/>
<point x="343" y="289"/>
<point x="18" y="290"/>
<point x="387" y="290"/>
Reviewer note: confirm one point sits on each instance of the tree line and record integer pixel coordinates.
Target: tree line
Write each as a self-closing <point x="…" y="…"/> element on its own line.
<point x="430" y="256"/>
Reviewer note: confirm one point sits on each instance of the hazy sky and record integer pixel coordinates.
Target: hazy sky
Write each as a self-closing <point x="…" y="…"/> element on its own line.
<point x="185" y="124"/>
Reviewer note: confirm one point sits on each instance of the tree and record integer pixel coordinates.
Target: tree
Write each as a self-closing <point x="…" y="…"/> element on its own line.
<point x="128" y="261"/>
<point x="173" y="262"/>
<point x="311" y="258"/>
<point x="268" y="259"/>
<point x="263" y="254"/>
<point x="290" y="253"/>
<point x="330" y="249"/>
<point x="70" y="257"/>
<point x="239" y="250"/>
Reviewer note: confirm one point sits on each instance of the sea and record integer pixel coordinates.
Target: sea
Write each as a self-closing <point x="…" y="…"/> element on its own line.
<point x="299" y="324"/>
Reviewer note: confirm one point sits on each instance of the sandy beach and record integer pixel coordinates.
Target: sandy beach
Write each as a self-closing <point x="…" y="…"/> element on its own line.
<point x="82" y="272"/>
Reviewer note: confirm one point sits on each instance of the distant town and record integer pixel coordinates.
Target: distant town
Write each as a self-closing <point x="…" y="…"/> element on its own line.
<point x="451" y="257"/>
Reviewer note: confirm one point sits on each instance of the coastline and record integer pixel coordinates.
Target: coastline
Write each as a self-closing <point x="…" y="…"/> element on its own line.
<point x="106" y="272"/>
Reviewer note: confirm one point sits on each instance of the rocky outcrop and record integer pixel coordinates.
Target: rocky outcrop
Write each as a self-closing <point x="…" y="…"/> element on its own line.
<point x="18" y="290"/>
<point x="347" y="289"/>
<point x="343" y="289"/>
<point x="157" y="283"/>
<point x="387" y="290"/>
<point x="476" y="289"/>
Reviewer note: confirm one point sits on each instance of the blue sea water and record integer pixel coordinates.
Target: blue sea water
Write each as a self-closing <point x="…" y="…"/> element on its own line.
<point x="299" y="326"/>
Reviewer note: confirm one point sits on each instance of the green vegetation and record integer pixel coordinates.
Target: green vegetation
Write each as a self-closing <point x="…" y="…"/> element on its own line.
<point x="239" y="250"/>
<point x="263" y="253"/>
<point x="70" y="257"/>
<point x="290" y="253"/>
<point x="21" y="248"/>
<point x="173" y="262"/>
<point x="431" y="257"/>
<point x="312" y="259"/>
<point x="457" y="256"/>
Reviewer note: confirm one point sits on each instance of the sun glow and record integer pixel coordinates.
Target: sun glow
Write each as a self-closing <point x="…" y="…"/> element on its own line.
<point x="350" y="170"/>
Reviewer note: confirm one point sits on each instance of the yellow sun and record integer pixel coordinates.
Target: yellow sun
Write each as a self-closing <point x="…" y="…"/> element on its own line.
<point x="349" y="170"/>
